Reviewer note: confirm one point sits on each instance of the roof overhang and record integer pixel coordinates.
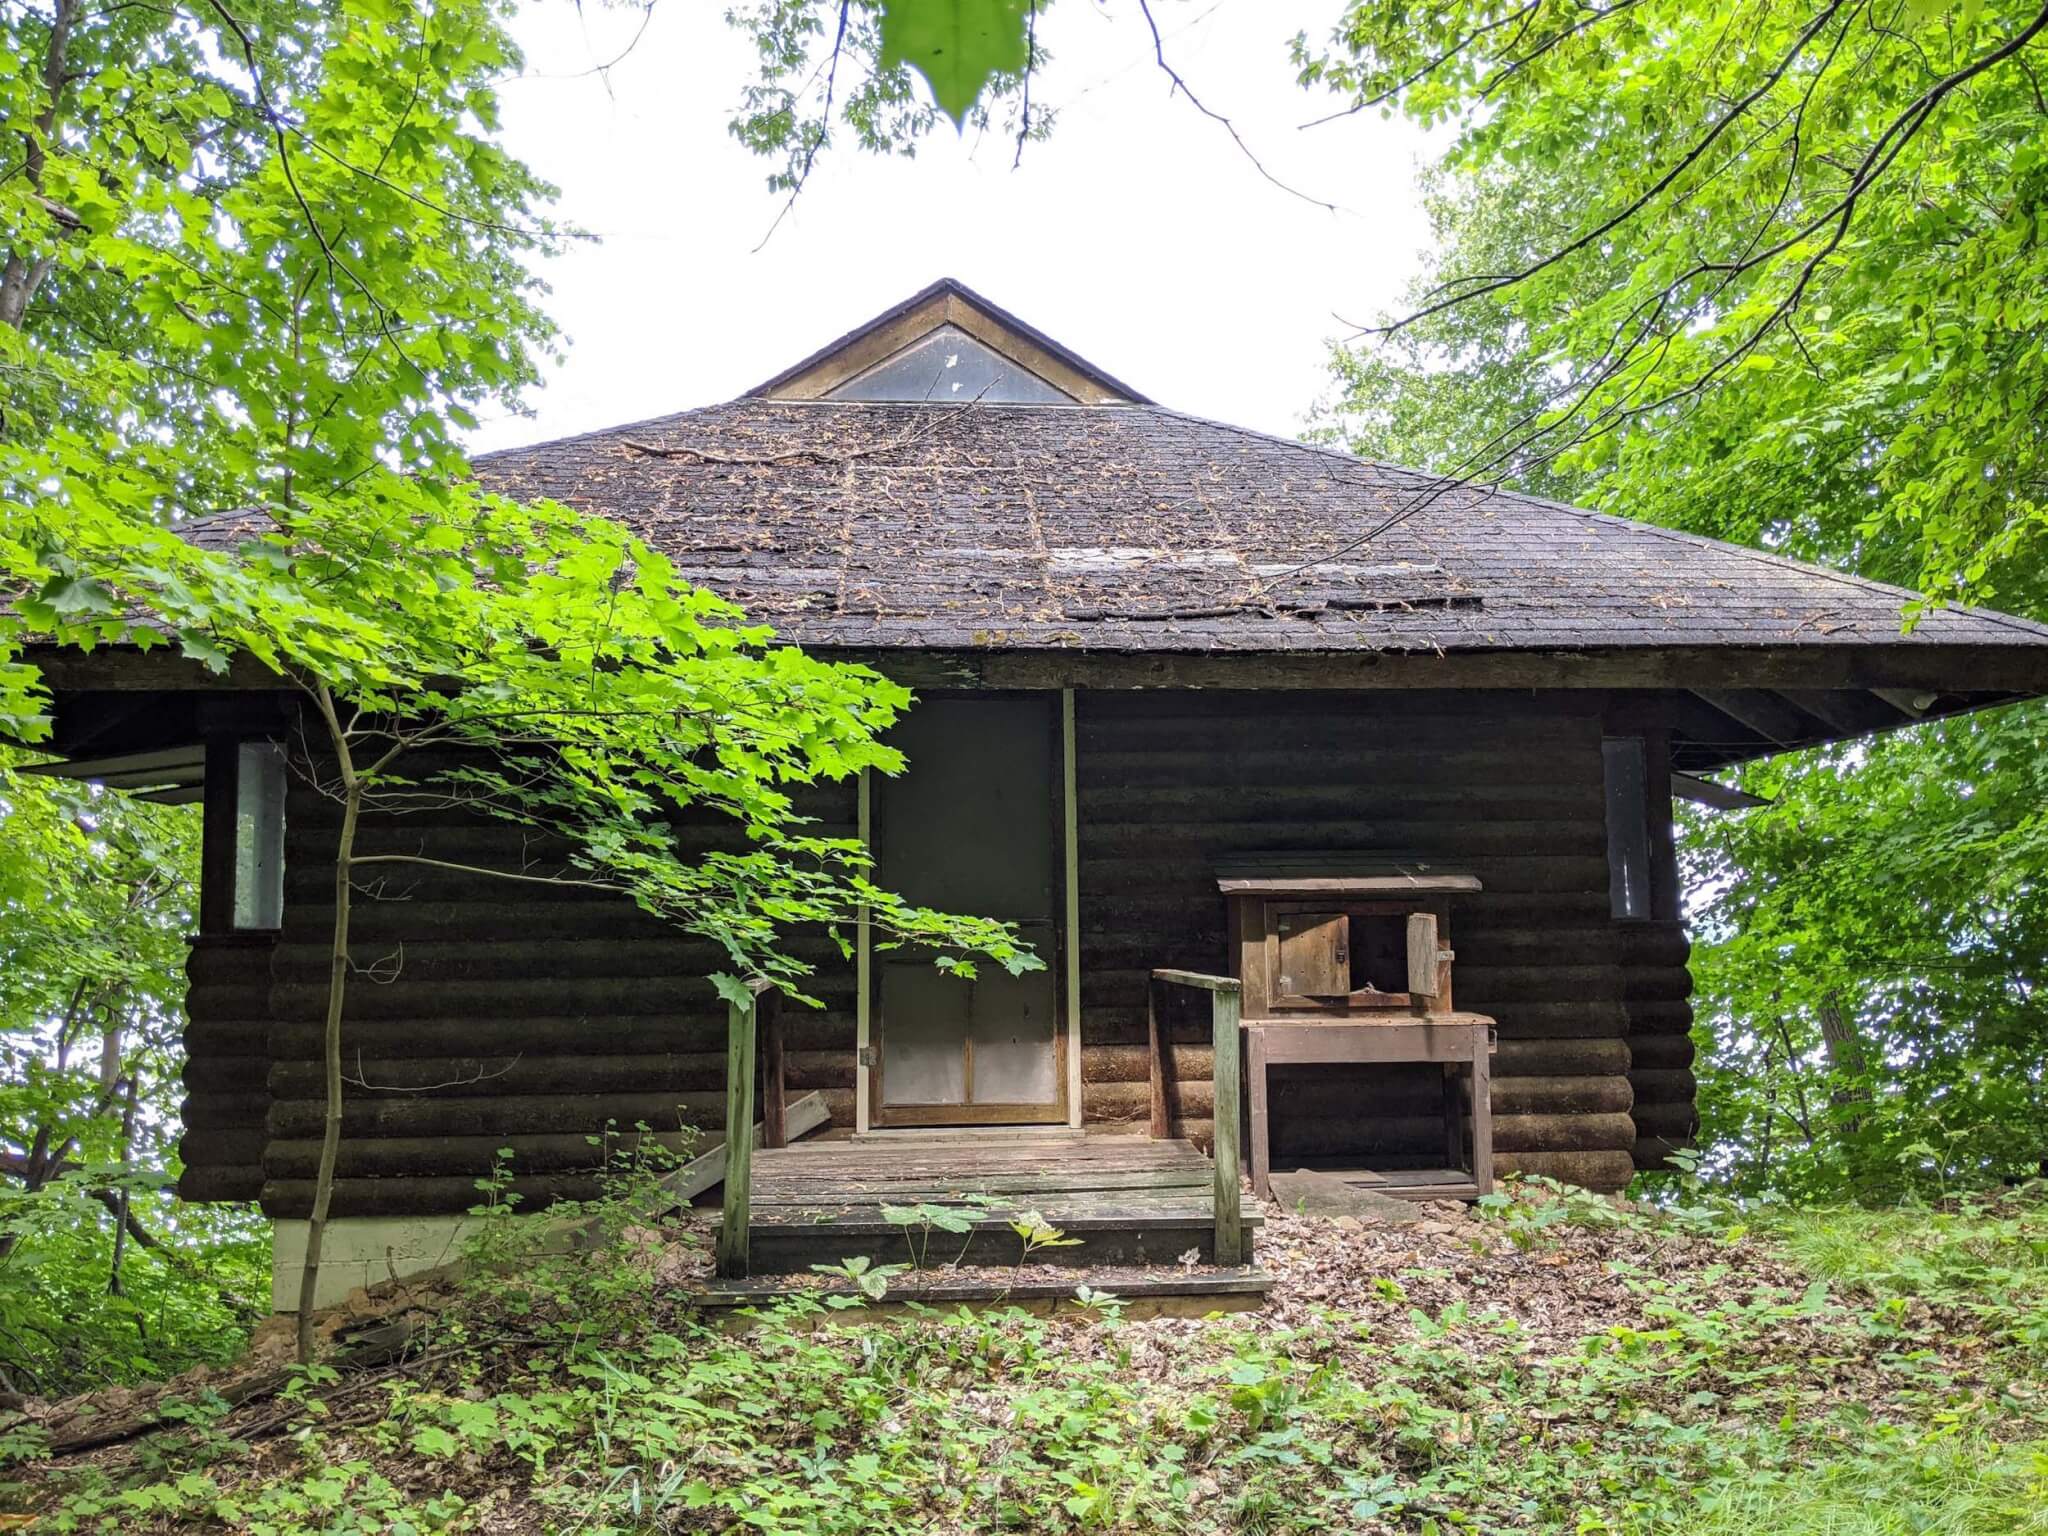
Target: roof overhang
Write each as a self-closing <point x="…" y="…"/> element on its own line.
<point x="1768" y="699"/>
<point x="138" y="720"/>
<point x="1911" y="679"/>
<point x="174" y="775"/>
<point x="1715" y="796"/>
<point x="1723" y="704"/>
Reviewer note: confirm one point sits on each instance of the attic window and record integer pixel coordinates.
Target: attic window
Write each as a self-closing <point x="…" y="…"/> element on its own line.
<point x="949" y="365"/>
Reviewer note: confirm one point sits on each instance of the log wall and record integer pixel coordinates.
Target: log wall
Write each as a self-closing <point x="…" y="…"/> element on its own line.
<point x="1505" y="787"/>
<point x="227" y="1067"/>
<point x="1658" y="989"/>
<point x="489" y="1015"/>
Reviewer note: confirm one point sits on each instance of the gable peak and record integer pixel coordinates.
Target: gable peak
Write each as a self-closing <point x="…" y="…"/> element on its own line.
<point x="946" y="343"/>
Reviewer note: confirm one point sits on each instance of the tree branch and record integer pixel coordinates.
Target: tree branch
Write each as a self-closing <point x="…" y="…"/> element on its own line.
<point x="21" y="276"/>
<point x="1180" y="85"/>
<point x="1478" y="285"/>
<point x="817" y="140"/>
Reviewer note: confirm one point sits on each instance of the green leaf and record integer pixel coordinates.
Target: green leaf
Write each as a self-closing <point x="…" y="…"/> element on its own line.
<point x="733" y="990"/>
<point x="68" y="596"/>
<point x="433" y="1440"/>
<point x="959" y="46"/>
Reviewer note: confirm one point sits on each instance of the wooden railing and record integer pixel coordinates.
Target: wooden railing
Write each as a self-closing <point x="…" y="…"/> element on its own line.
<point x="760" y="1015"/>
<point x="1226" y="1006"/>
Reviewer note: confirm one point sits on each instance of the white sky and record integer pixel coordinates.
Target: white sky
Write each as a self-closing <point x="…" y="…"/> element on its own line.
<point x="1137" y="235"/>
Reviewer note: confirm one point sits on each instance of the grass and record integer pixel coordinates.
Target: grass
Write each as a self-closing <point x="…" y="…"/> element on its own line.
<point x="1559" y="1365"/>
<point x="1984" y="1258"/>
<point x="1908" y="1248"/>
<point x="1903" y="1485"/>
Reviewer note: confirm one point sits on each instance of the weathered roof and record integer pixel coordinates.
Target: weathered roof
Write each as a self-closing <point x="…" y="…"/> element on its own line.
<point x="1136" y="528"/>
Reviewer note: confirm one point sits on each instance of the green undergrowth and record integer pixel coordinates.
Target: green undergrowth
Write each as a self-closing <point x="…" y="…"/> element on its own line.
<point x="1982" y="1258"/>
<point x="1612" y="1373"/>
<point x="1901" y="1485"/>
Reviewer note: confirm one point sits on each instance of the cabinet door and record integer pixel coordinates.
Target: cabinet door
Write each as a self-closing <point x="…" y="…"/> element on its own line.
<point x="1315" y="954"/>
<point x="1422" y="953"/>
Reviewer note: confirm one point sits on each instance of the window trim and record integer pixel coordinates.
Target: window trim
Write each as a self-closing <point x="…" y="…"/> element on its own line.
<point x="1632" y="880"/>
<point x="221" y="886"/>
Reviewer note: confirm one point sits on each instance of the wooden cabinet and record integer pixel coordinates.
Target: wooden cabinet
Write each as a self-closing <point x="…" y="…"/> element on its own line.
<point x="1370" y="941"/>
<point x="1349" y="964"/>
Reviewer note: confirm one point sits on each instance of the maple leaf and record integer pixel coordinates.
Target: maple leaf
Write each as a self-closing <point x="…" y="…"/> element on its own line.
<point x="959" y="46"/>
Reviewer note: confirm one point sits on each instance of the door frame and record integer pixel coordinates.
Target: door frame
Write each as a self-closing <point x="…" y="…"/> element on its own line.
<point x="1063" y="960"/>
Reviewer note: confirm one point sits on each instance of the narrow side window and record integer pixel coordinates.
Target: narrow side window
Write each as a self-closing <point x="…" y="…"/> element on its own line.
<point x="259" y="835"/>
<point x="1628" y="826"/>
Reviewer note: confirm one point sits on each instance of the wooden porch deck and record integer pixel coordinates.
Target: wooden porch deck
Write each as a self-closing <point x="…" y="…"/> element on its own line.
<point x="1126" y="1199"/>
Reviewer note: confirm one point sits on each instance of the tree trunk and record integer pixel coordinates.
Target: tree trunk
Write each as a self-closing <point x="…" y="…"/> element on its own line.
<point x="1849" y="1060"/>
<point x="1846" y="1055"/>
<point x="21" y="275"/>
<point x="123" y="1217"/>
<point x="337" y="985"/>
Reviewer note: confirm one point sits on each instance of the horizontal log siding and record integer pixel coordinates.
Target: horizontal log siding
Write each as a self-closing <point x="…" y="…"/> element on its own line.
<point x="1507" y="787"/>
<point x="489" y="1014"/>
<point x="227" y="1067"/>
<point x="1657" y="987"/>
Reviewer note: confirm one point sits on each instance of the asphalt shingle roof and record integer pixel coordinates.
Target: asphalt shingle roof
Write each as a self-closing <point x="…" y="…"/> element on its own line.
<point x="1136" y="528"/>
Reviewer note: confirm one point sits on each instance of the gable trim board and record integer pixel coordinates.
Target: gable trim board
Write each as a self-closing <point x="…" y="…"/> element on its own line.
<point x="946" y="302"/>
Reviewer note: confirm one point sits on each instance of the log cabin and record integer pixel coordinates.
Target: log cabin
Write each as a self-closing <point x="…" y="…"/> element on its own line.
<point x="1267" y="748"/>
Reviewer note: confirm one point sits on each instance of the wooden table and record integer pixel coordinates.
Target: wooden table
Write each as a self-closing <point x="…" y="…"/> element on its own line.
<point x="1450" y="1038"/>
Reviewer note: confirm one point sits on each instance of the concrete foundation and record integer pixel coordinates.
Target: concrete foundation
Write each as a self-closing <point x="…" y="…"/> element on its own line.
<point x="361" y="1251"/>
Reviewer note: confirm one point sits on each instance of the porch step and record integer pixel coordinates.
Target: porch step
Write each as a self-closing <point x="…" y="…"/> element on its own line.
<point x="950" y="1135"/>
<point x="1139" y="1293"/>
<point x="1394" y="1183"/>
<point x="1123" y="1200"/>
<point x="1138" y="1234"/>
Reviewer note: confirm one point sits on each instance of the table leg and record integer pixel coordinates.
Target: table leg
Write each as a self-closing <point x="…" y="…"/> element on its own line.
<point x="1261" y="1148"/>
<point x="1454" y="1119"/>
<point x="1482" y="1118"/>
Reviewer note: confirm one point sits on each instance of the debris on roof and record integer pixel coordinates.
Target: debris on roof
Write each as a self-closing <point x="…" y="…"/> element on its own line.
<point x="1135" y="528"/>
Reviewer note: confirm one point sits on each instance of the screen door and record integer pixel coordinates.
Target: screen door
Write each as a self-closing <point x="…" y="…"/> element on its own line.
<point x="972" y="827"/>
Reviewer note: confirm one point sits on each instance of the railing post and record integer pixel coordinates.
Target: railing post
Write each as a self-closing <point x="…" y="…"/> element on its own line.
<point x="1226" y="1007"/>
<point x="739" y="1139"/>
<point x="1156" y="1067"/>
<point x="774" y="1075"/>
